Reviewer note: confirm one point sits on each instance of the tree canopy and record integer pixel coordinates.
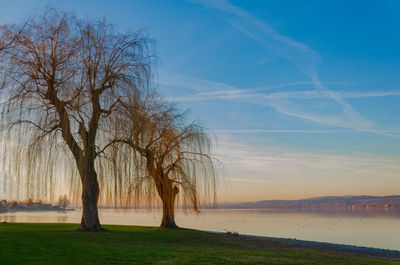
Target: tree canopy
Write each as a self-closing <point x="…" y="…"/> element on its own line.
<point x="174" y="156"/>
<point x="79" y="113"/>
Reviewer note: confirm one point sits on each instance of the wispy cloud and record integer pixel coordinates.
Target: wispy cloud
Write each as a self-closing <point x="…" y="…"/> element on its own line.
<point x="305" y="59"/>
<point x="298" y="173"/>
<point x="205" y="89"/>
<point x="297" y="131"/>
<point x="282" y="102"/>
<point x="286" y="183"/>
<point x="193" y="83"/>
<point x="312" y="94"/>
<point x="229" y="92"/>
<point x="302" y="56"/>
<point x="267" y="158"/>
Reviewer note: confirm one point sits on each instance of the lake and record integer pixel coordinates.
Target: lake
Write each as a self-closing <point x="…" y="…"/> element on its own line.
<point x="379" y="229"/>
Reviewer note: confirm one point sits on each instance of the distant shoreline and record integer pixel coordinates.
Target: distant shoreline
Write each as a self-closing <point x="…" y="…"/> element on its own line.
<point x="315" y="245"/>
<point x="328" y="202"/>
<point x="35" y="210"/>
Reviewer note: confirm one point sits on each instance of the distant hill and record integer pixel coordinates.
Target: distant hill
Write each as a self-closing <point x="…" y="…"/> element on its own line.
<point x="363" y="201"/>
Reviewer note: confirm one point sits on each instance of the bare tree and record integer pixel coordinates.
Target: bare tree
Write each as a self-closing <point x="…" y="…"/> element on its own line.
<point x="63" y="201"/>
<point x="66" y="80"/>
<point x="176" y="157"/>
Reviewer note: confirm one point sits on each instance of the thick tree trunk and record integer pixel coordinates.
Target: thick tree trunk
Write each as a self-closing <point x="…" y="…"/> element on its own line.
<point x="168" y="199"/>
<point x="90" y="196"/>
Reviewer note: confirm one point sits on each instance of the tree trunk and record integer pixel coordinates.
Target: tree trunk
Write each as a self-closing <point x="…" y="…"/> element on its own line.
<point x="168" y="199"/>
<point x="90" y="196"/>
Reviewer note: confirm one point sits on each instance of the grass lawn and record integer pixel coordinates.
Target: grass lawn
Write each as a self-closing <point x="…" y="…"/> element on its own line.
<point x="22" y="243"/>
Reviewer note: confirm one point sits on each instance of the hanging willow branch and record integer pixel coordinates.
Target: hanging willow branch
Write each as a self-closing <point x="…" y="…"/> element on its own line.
<point x="66" y="79"/>
<point x="175" y="156"/>
<point x="79" y="115"/>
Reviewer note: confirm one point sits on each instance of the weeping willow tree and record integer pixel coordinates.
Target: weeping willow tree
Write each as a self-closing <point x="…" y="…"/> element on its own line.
<point x="175" y="156"/>
<point x="66" y="81"/>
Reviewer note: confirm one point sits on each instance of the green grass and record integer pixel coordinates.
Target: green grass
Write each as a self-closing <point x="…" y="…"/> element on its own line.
<point x="22" y="243"/>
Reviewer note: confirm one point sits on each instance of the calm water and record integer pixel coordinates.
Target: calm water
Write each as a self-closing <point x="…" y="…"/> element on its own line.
<point x="380" y="229"/>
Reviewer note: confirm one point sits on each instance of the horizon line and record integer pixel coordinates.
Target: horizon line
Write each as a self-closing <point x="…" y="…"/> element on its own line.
<point x="298" y="131"/>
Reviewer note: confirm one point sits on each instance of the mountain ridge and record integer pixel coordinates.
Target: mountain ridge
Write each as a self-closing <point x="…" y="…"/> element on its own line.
<point x="347" y="201"/>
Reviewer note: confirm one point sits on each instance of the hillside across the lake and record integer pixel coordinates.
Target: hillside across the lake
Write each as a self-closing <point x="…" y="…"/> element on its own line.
<point x="364" y="201"/>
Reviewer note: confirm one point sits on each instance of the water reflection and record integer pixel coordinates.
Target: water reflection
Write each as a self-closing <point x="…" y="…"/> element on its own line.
<point x="345" y="211"/>
<point x="7" y="218"/>
<point x="62" y="219"/>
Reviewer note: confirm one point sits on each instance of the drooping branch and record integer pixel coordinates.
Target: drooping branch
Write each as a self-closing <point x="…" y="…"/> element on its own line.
<point x="9" y="43"/>
<point x="67" y="81"/>
<point x="177" y="155"/>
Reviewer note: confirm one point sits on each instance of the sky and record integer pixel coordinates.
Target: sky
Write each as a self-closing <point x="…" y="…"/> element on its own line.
<point x="301" y="97"/>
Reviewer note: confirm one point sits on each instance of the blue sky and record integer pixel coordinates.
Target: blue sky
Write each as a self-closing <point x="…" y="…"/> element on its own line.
<point x="303" y="96"/>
